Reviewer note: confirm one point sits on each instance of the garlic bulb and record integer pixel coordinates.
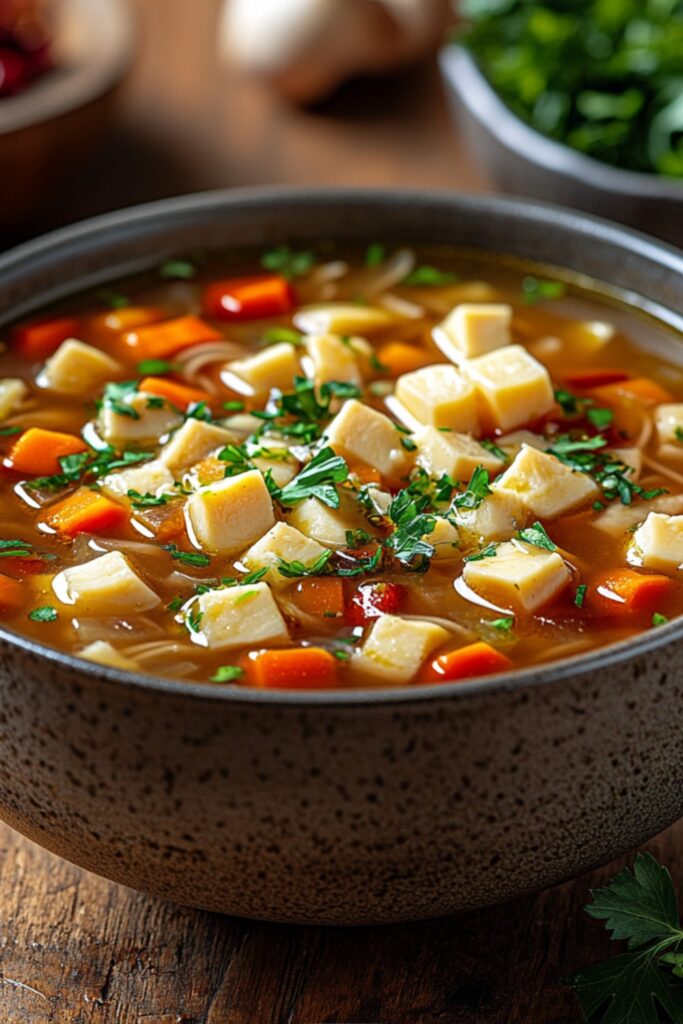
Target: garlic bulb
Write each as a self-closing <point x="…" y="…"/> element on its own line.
<point x="306" y="48"/>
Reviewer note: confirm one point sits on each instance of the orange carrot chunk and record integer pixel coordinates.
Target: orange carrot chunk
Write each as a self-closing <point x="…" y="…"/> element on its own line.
<point x="399" y="357"/>
<point x="180" y="395"/>
<point x="39" y="340"/>
<point x="37" y="451"/>
<point x="639" y="389"/>
<point x="159" y="341"/>
<point x="478" y="659"/>
<point x="11" y="595"/>
<point x="596" y="378"/>
<point x="85" y="511"/>
<point x="322" y="595"/>
<point x="249" y="298"/>
<point x="296" y="668"/>
<point x="624" y="593"/>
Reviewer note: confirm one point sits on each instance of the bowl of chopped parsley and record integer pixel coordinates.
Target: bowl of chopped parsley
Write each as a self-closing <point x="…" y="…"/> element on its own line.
<point x="578" y="102"/>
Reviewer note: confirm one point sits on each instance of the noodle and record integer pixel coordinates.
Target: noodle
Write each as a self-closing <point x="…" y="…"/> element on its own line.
<point x="390" y="273"/>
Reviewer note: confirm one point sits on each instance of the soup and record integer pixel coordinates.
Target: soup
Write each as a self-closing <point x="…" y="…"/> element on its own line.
<point x="311" y="470"/>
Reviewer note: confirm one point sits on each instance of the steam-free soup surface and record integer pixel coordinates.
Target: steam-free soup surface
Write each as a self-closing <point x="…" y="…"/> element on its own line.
<point x="308" y="470"/>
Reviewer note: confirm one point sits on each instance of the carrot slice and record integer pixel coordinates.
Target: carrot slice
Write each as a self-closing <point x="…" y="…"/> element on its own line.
<point x="11" y="594"/>
<point x="166" y="523"/>
<point x="85" y="511"/>
<point x="624" y="593"/>
<point x="39" y="340"/>
<point x="296" y="668"/>
<point x="365" y="474"/>
<point x="639" y="389"/>
<point x="38" y="451"/>
<point x="399" y="357"/>
<point x="179" y="395"/>
<point x="159" y="341"/>
<point x="478" y="659"/>
<point x="320" y="596"/>
<point x="596" y="378"/>
<point x="249" y="298"/>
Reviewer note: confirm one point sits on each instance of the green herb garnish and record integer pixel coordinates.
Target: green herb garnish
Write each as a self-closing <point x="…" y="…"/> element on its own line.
<point x="114" y="397"/>
<point x="195" y="558"/>
<point x="227" y="674"/>
<point x="537" y="536"/>
<point x="155" y="367"/>
<point x="535" y="290"/>
<point x="503" y="625"/>
<point x="46" y="613"/>
<point x="580" y="595"/>
<point x="15" y="549"/>
<point x="412" y="524"/>
<point x="149" y="500"/>
<point x="659" y="620"/>
<point x="296" y="569"/>
<point x="181" y="270"/>
<point x="489" y="551"/>
<point x="477" y="489"/>
<point x="375" y="254"/>
<point x="283" y="260"/>
<point x="10" y="431"/>
<point x="318" y="479"/>
<point x="427" y="276"/>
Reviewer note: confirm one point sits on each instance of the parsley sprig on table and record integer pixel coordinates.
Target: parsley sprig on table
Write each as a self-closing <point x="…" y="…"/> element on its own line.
<point x="635" y="987"/>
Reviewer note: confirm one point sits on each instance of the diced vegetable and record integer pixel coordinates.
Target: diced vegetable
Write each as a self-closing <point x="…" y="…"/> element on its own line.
<point x="37" y="452"/>
<point x="342" y="318"/>
<point x="473" y="329"/>
<point x="545" y="485"/>
<point x="105" y="586"/>
<point x="192" y="443"/>
<point x="366" y="435"/>
<point x="457" y="455"/>
<point x="179" y="395"/>
<point x="282" y="544"/>
<point x="85" y="511"/>
<point x="395" y="648"/>
<point x="149" y="478"/>
<point x="296" y="668"/>
<point x="227" y="516"/>
<point x="138" y="417"/>
<point x="399" y="357"/>
<point x="161" y="340"/>
<point x="514" y="388"/>
<point x="77" y="369"/>
<point x="37" y="341"/>
<point x="249" y="298"/>
<point x="516" y="575"/>
<point x="328" y="526"/>
<point x="637" y="389"/>
<point x="11" y="595"/>
<point x="499" y="517"/>
<point x="440" y="396"/>
<point x="320" y="595"/>
<point x="235" y="617"/>
<point x="624" y="593"/>
<point x="372" y="600"/>
<point x="478" y="659"/>
<point x="334" y="359"/>
<point x="658" y="543"/>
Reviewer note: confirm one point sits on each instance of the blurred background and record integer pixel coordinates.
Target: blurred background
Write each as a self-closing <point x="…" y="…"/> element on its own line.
<point x="106" y="103"/>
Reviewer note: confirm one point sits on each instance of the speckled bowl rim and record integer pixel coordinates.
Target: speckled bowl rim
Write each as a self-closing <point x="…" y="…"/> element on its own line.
<point x="494" y="116"/>
<point x="579" y="665"/>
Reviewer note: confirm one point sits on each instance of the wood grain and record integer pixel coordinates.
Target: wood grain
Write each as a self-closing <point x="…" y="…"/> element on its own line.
<point x="75" y="949"/>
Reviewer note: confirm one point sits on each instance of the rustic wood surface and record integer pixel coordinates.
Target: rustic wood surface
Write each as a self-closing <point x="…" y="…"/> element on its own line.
<point x="75" y="949"/>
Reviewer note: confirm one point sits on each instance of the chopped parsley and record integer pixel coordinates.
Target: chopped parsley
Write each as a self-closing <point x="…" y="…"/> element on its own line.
<point x="489" y="551"/>
<point x="236" y="458"/>
<point x="318" y="479"/>
<point x="363" y="566"/>
<point x="659" y="620"/>
<point x="601" y="419"/>
<point x="179" y="270"/>
<point x="580" y="595"/>
<point x="278" y="335"/>
<point x="477" y="489"/>
<point x="411" y="525"/>
<point x="586" y="456"/>
<point x="193" y="619"/>
<point x="196" y="558"/>
<point x="535" y="290"/>
<point x="492" y="447"/>
<point x="251" y="577"/>
<point x="426" y="276"/>
<point x="155" y="367"/>
<point x="46" y="613"/>
<point x="537" y="536"/>
<point x="503" y="625"/>
<point x="115" y="395"/>
<point x="375" y="254"/>
<point x="284" y="260"/>
<point x="234" y="405"/>
<point x="357" y="538"/>
<point x="227" y="674"/>
<point x="296" y="569"/>
<point x="149" y="500"/>
<point x="10" y="431"/>
<point x="15" y="549"/>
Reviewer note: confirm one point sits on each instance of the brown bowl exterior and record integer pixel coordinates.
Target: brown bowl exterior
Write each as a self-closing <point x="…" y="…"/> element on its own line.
<point x="346" y="807"/>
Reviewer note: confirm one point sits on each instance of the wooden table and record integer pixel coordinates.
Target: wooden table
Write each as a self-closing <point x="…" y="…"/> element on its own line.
<point x="75" y="949"/>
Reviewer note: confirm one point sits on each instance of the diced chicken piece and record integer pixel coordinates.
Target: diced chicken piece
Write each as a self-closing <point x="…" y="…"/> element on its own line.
<point x="518" y="576"/>
<point x="149" y="420"/>
<point x="630" y="457"/>
<point x="149" y="478"/>
<point x="514" y="387"/>
<point x="77" y="369"/>
<point x="500" y="516"/>
<point x="512" y="443"/>
<point x="107" y="585"/>
<point x="12" y="393"/>
<point x="440" y="396"/>
<point x="342" y="318"/>
<point x="458" y="455"/>
<point x="445" y="539"/>
<point x="236" y="617"/>
<point x="328" y="526"/>
<point x="193" y="442"/>
<point x="545" y="485"/>
<point x="669" y="423"/>
<point x="227" y="516"/>
<point x="396" y="648"/>
<point x="103" y="653"/>
<point x="618" y="519"/>
<point x="365" y="435"/>
<point x="333" y="358"/>
<point x="282" y="543"/>
<point x="273" y="367"/>
<point x="658" y="543"/>
<point x="472" y="329"/>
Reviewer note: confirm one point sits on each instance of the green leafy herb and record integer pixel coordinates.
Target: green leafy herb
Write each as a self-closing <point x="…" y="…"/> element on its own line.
<point x="115" y="394"/>
<point x="477" y="489"/>
<point x="155" y="402"/>
<point x="235" y="405"/>
<point x="318" y="479"/>
<point x="411" y="525"/>
<point x="357" y="538"/>
<point x="427" y="276"/>
<point x="360" y="566"/>
<point x="376" y="364"/>
<point x="113" y="299"/>
<point x="537" y="536"/>
<point x="659" y="620"/>
<point x="678" y="433"/>
<point x="193" y="619"/>
<point x="586" y="456"/>
<point x="568" y="402"/>
<point x="489" y="551"/>
<point x="503" y="625"/>
<point x="155" y="367"/>
<point x="46" y="613"/>
<point x="181" y="270"/>
<point x="175" y="604"/>
<point x="251" y="577"/>
<point x="408" y="444"/>
<point x="601" y="419"/>
<point x="15" y="549"/>
<point x="492" y="447"/>
<point x="640" y="907"/>
<point x="296" y="569"/>
<point x="375" y="254"/>
<point x="283" y="260"/>
<point x="9" y="431"/>
<point x="227" y="674"/>
<point x="303" y="413"/>
<point x="195" y="558"/>
<point x="149" y="500"/>
<point x="236" y="458"/>
<point x="341" y="654"/>
<point x="535" y="290"/>
<point x="246" y="596"/>
<point x="278" y="335"/>
<point x="580" y="595"/>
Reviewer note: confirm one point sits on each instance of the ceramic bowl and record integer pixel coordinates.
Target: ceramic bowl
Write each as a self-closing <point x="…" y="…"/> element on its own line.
<point x="48" y="131"/>
<point x="523" y="161"/>
<point x="349" y="806"/>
